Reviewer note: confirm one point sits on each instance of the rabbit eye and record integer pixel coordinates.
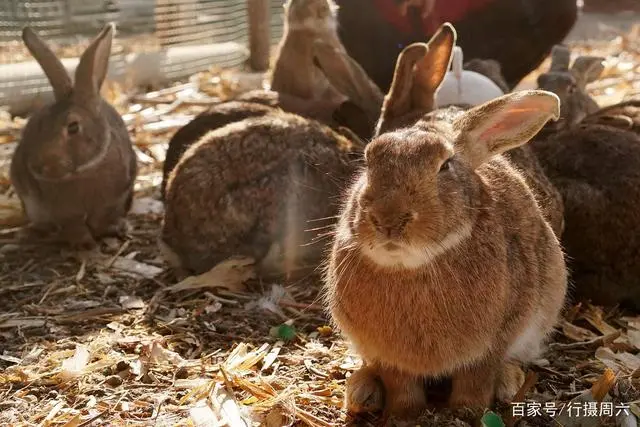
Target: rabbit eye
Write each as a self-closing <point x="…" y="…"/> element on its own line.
<point x="73" y="128"/>
<point x="445" y="166"/>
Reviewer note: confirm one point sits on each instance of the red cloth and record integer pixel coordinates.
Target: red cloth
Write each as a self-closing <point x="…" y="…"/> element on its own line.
<point x="443" y="11"/>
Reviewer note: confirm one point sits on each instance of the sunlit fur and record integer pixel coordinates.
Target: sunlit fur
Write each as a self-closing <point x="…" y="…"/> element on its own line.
<point x="482" y="276"/>
<point x="475" y="276"/>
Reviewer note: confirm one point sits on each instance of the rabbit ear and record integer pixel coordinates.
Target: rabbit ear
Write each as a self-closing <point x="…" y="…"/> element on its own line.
<point x="586" y="69"/>
<point x="420" y="70"/>
<point x="560" y="58"/>
<point x="504" y="123"/>
<point x="93" y="66"/>
<point x="51" y="65"/>
<point x="349" y="78"/>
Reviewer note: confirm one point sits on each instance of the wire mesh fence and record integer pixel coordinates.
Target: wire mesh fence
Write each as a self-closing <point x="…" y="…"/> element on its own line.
<point x="171" y="39"/>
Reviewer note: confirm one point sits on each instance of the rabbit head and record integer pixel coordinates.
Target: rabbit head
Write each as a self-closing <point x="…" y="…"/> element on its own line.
<point x="78" y="136"/>
<point x="310" y="13"/>
<point x="570" y="84"/>
<point x="420" y="185"/>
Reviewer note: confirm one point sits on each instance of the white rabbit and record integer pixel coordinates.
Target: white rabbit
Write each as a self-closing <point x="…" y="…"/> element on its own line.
<point x="464" y="86"/>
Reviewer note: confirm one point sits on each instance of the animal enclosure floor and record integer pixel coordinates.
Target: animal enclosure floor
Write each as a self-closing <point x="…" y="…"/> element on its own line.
<point x="108" y="338"/>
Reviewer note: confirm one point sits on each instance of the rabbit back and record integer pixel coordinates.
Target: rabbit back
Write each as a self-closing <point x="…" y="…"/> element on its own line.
<point x="215" y="117"/>
<point x="253" y="186"/>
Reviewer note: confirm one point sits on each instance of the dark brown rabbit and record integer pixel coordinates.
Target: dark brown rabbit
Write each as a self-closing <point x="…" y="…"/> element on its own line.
<point x="213" y="118"/>
<point x="253" y="188"/>
<point x="596" y="168"/>
<point x="594" y="163"/>
<point x="443" y="263"/>
<point x="357" y="113"/>
<point x="74" y="167"/>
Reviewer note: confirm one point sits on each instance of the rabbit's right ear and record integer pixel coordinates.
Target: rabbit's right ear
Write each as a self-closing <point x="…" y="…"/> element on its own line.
<point x="93" y="67"/>
<point x="503" y="123"/>
<point x="420" y="70"/>
<point x="560" y="58"/>
<point x="586" y="69"/>
<point x="349" y="78"/>
<point x="51" y="65"/>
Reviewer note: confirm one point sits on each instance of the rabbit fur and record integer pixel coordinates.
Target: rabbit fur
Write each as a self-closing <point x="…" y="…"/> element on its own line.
<point x="590" y="157"/>
<point x="75" y="167"/>
<point x="442" y="262"/>
<point x="253" y="188"/>
<point x="489" y="68"/>
<point x="596" y="169"/>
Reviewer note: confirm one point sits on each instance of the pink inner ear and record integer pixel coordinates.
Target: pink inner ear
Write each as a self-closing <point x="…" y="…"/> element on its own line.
<point x="507" y="120"/>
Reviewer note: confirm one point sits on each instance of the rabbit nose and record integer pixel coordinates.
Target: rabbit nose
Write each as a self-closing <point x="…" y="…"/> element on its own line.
<point x="392" y="227"/>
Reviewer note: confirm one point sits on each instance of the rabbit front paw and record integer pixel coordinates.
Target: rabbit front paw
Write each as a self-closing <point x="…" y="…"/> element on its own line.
<point x="474" y="387"/>
<point x="510" y="379"/>
<point x="365" y="392"/>
<point x="77" y="236"/>
<point x="405" y="396"/>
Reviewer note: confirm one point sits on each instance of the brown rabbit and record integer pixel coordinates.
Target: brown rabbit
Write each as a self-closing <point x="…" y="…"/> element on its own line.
<point x="570" y="85"/>
<point x="74" y="167"/>
<point x="252" y="188"/>
<point x="294" y="70"/>
<point x="442" y="263"/>
<point x="358" y="113"/>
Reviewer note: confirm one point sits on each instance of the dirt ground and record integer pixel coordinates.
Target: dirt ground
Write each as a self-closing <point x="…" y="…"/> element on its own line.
<point x="109" y="338"/>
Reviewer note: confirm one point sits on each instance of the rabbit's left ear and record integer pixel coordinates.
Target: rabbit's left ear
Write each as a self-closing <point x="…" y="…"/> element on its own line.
<point x="349" y="78"/>
<point x="51" y="65"/>
<point x="503" y="123"/>
<point x="420" y="70"/>
<point x="93" y="67"/>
